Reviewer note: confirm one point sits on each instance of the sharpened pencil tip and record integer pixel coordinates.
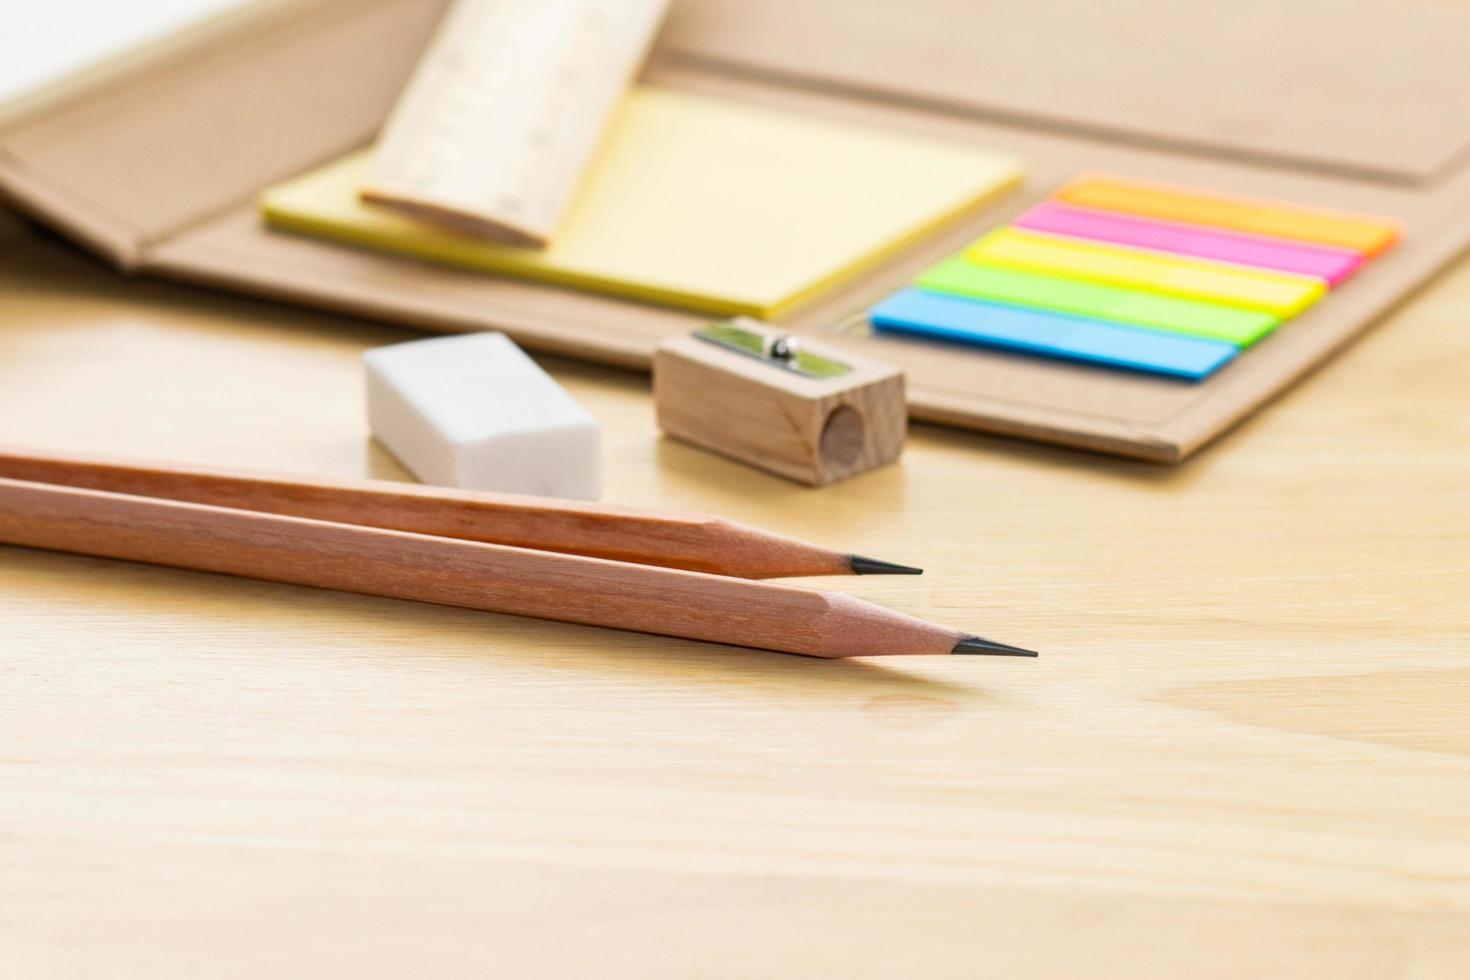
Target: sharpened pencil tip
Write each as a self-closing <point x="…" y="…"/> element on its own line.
<point x="979" y="645"/>
<point x="872" y="566"/>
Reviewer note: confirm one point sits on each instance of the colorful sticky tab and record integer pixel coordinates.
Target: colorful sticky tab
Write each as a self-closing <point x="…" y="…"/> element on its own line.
<point x="1332" y="264"/>
<point x="1138" y="275"/>
<point x="1279" y="293"/>
<point x="915" y="311"/>
<point x="1340" y="229"/>
<point x="1233" y="325"/>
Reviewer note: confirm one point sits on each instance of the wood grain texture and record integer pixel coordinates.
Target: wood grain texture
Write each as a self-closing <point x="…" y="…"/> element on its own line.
<point x="693" y="542"/>
<point x="811" y="430"/>
<point x="1243" y="754"/>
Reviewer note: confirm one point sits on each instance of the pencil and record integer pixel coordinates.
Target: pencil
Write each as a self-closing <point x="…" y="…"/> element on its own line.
<point x="472" y="574"/>
<point x="693" y="542"/>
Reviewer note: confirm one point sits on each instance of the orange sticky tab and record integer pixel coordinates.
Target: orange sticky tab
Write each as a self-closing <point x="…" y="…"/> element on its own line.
<point x="1364" y="234"/>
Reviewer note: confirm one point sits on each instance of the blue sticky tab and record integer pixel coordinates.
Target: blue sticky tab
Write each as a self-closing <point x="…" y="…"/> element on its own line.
<point x="915" y="311"/>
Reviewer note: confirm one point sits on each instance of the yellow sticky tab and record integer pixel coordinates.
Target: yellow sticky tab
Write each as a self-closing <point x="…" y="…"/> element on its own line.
<point x="1364" y="234"/>
<point x="700" y="203"/>
<point x="1278" y="293"/>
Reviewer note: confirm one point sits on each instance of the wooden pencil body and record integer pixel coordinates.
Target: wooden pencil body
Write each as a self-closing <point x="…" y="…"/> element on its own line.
<point x="691" y="542"/>
<point x="471" y="574"/>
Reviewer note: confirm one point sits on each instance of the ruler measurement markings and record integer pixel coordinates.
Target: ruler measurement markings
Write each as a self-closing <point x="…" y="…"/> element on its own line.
<point x="506" y="110"/>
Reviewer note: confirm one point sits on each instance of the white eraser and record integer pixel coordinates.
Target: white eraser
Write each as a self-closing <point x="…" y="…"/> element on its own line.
<point x="474" y="411"/>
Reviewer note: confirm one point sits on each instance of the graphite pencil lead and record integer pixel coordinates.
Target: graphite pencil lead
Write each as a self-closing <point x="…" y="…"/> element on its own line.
<point x="872" y="566"/>
<point x="979" y="645"/>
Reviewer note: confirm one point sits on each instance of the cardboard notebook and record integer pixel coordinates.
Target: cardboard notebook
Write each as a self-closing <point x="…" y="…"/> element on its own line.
<point x="157" y="163"/>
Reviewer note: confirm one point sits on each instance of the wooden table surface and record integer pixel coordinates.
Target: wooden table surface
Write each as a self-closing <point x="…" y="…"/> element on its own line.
<point x="1245" y="751"/>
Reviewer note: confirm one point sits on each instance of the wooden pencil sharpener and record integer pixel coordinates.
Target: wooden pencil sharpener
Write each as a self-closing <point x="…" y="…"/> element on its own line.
<point x="790" y="405"/>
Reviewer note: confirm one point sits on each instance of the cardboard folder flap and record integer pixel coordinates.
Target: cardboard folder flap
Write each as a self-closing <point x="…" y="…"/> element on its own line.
<point x="184" y="138"/>
<point x="1320" y="84"/>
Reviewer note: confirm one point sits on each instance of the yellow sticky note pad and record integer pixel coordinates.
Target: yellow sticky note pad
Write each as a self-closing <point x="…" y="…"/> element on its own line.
<point x="701" y="203"/>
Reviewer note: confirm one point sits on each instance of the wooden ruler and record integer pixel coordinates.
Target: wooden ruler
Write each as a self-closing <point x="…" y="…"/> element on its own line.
<point x="505" y="110"/>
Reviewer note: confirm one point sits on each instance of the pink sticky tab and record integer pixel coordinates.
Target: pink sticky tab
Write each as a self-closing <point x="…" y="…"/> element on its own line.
<point x="1322" y="261"/>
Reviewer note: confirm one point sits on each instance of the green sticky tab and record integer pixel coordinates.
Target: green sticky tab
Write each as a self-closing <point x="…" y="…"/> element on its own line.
<point x="958" y="275"/>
